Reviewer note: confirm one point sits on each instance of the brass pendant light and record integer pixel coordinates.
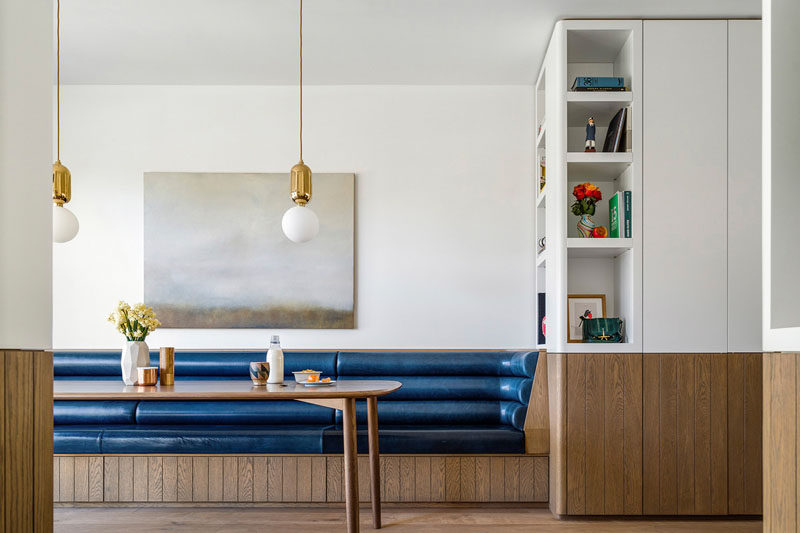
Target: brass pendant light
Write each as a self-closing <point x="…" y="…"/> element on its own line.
<point x="300" y="223"/>
<point x="65" y="223"/>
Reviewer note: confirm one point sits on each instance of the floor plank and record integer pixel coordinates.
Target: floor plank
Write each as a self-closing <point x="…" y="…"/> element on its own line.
<point x="398" y="519"/>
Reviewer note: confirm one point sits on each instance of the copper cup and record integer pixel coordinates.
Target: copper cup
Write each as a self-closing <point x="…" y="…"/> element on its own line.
<point x="148" y="375"/>
<point x="167" y="363"/>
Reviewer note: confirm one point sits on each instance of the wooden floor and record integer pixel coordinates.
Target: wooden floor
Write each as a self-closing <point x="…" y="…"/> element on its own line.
<point x="396" y="519"/>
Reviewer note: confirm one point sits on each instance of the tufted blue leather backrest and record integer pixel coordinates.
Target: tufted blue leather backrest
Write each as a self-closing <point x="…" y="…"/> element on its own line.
<point x="446" y="387"/>
<point x="439" y="388"/>
<point x="197" y="365"/>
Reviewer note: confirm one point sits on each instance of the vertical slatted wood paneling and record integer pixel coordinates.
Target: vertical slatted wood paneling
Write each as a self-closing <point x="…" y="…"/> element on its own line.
<point x="30" y="480"/>
<point x="651" y="434"/>
<point x="753" y="422"/>
<point x="185" y="479"/>
<point x="241" y="479"/>
<point x="169" y="479"/>
<point x="56" y="460"/>
<point x="422" y="479"/>
<point x="438" y="475"/>
<point x="594" y="461"/>
<point x="230" y="479"/>
<point x="702" y="435"/>
<point x="557" y="400"/>
<point x="319" y="479"/>
<point x="42" y="442"/>
<point x="685" y="431"/>
<point x="632" y="437"/>
<point x="603" y="434"/>
<point x="719" y="429"/>
<point x="483" y="478"/>
<point x="511" y="476"/>
<point x="781" y="426"/>
<point x="154" y="480"/>
<point x="407" y="480"/>
<point x="123" y="472"/>
<point x="452" y="479"/>
<point x="245" y="483"/>
<point x="576" y="434"/>
<point x="81" y="479"/>
<point x="18" y="448"/>
<point x="111" y="479"/>
<point x="260" y="479"/>
<point x="200" y="479"/>
<point x="140" y="475"/>
<point x="614" y="442"/>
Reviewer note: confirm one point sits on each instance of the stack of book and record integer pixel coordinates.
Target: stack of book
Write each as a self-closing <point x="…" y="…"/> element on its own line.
<point x="595" y="83"/>
<point x="619" y="214"/>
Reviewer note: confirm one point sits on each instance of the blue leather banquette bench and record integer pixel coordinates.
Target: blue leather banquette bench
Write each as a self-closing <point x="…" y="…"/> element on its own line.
<point x="450" y="403"/>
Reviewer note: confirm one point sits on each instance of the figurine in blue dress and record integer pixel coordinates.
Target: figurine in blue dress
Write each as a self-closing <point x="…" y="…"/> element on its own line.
<point x="590" y="131"/>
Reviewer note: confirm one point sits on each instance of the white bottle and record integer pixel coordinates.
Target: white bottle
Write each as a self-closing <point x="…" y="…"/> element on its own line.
<point x="275" y="360"/>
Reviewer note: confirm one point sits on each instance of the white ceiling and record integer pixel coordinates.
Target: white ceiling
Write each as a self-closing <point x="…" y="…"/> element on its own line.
<point x="244" y="42"/>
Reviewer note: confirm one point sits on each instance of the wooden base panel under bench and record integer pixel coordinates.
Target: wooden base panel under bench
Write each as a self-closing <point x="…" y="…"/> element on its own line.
<point x="159" y="479"/>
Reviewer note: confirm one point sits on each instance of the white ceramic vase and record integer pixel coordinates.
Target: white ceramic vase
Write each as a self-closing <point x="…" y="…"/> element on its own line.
<point x="135" y="354"/>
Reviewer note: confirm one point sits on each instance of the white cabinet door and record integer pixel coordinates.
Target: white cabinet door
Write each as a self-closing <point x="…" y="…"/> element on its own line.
<point x="744" y="186"/>
<point x="685" y="195"/>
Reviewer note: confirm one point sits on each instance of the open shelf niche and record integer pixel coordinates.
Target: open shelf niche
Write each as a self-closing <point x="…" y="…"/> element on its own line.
<point x="574" y="264"/>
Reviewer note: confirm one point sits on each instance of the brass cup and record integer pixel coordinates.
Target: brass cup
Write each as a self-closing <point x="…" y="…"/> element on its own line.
<point x="167" y="363"/>
<point x="148" y="375"/>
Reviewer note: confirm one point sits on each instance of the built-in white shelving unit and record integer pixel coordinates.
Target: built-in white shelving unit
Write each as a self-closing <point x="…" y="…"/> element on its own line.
<point x="572" y="264"/>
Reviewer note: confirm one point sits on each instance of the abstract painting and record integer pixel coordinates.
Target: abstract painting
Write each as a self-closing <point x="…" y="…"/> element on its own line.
<point x="215" y="255"/>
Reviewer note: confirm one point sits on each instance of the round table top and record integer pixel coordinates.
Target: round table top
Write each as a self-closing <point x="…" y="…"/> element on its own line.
<point x="219" y="390"/>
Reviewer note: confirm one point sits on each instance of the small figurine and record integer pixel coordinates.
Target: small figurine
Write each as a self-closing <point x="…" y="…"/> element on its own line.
<point x="590" y="147"/>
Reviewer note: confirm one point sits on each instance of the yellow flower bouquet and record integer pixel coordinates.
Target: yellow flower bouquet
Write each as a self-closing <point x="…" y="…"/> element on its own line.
<point x="136" y="322"/>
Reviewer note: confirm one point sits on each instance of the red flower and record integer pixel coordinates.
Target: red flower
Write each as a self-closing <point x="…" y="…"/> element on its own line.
<point x="579" y="192"/>
<point x="597" y="194"/>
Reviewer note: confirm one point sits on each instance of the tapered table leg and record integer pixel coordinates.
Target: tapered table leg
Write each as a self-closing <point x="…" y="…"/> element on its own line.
<point x="374" y="460"/>
<point x="350" y="464"/>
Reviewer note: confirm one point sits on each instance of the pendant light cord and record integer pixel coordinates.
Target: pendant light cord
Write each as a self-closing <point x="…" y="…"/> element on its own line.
<point x="58" y="80"/>
<point x="301" y="81"/>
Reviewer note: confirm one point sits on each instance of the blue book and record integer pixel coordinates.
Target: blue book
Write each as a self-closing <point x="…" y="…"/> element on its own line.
<point x="627" y="210"/>
<point x="598" y="83"/>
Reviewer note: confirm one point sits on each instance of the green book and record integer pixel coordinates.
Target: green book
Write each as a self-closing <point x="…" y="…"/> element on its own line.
<point x="613" y="215"/>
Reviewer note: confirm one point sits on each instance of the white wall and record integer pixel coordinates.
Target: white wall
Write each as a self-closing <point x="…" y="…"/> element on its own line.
<point x="781" y="189"/>
<point x="443" y="203"/>
<point x="26" y="44"/>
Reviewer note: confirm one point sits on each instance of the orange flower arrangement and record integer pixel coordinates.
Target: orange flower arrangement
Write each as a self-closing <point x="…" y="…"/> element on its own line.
<point x="586" y="196"/>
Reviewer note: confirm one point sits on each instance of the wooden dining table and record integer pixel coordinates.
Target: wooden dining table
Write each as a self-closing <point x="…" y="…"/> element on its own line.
<point x="342" y="396"/>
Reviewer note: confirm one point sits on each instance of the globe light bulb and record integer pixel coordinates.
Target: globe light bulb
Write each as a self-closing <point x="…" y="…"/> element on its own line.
<point x="300" y="224"/>
<point x="65" y="224"/>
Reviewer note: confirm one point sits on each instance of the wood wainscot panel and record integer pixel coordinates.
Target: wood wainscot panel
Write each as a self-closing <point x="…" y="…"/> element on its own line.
<point x="781" y="426"/>
<point x="596" y="410"/>
<point x="26" y="444"/>
<point x="655" y="434"/>
<point x="288" y="478"/>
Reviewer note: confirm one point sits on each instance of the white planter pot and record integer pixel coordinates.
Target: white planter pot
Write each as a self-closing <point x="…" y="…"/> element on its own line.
<point x="135" y="354"/>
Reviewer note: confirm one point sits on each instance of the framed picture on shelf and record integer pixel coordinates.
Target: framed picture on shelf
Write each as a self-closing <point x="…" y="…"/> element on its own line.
<point x="579" y="305"/>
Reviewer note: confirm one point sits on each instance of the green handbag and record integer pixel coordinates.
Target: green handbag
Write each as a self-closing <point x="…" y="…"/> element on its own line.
<point x="602" y="330"/>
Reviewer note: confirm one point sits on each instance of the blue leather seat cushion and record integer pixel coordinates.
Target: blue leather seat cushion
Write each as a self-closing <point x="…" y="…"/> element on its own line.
<point x="78" y="439"/>
<point x="282" y="439"/>
<point x="444" y="413"/>
<point x="228" y="364"/>
<point x="231" y="413"/>
<point x="434" y="439"/>
<point x="94" y="412"/>
<point x="189" y="439"/>
<point x="424" y="388"/>
<point x="520" y="364"/>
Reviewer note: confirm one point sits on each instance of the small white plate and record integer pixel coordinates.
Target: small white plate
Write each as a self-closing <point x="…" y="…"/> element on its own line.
<point x="319" y="383"/>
